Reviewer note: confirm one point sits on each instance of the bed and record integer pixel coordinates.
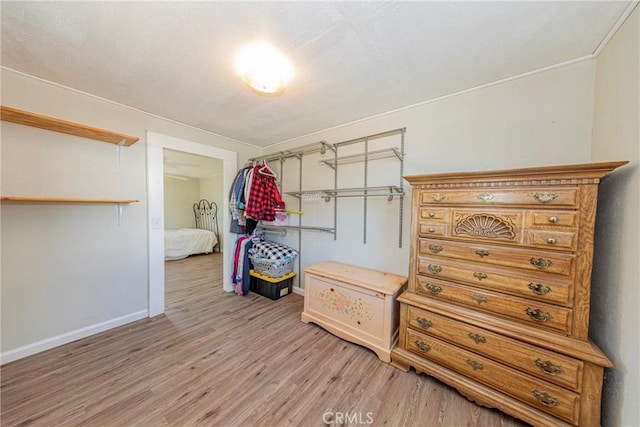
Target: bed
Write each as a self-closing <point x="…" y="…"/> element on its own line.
<point x="204" y="238"/>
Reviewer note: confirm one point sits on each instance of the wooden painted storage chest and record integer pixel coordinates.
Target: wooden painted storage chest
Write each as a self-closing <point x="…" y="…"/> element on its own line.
<point x="354" y="303"/>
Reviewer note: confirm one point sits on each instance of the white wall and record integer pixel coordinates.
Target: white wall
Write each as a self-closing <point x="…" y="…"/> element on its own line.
<point x="615" y="296"/>
<point x="542" y="119"/>
<point x="179" y="197"/>
<point x="68" y="270"/>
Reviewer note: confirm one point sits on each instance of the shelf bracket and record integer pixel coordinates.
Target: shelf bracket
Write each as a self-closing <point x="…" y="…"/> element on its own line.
<point x="329" y="163"/>
<point x="324" y="145"/>
<point x="119" y="148"/>
<point x="119" y="212"/>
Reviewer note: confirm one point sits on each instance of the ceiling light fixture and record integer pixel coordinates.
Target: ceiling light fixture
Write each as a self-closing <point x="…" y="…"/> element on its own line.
<point x="264" y="69"/>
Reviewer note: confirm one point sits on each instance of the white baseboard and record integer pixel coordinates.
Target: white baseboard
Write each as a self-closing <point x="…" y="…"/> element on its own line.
<point x="297" y="290"/>
<point x="49" y="343"/>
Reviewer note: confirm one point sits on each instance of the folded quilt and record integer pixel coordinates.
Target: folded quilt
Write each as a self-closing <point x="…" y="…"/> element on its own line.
<point x="272" y="250"/>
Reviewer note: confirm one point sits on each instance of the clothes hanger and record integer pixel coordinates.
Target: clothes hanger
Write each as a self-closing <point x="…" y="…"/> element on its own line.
<point x="266" y="170"/>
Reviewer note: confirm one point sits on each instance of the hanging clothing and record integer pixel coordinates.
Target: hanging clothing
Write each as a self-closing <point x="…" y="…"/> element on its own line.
<point x="254" y="196"/>
<point x="264" y="195"/>
<point x="236" y="203"/>
<point x="250" y="225"/>
<point x="248" y="178"/>
<point x="236" y="258"/>
<point x="242" y="265"/>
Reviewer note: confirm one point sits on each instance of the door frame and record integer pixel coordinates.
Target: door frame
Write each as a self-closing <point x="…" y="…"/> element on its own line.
<point x="156" y="143"/>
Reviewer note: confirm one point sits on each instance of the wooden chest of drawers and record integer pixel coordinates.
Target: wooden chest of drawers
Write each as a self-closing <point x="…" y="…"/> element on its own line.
<point x="499" y="290"/>
<point x="354" y="303"/>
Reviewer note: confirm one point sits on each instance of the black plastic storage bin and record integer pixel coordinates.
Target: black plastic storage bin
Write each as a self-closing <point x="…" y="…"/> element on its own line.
<point x="271" y="287"/>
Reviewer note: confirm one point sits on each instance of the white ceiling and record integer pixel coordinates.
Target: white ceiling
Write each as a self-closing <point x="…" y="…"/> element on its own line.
<point x="352" y="59"/>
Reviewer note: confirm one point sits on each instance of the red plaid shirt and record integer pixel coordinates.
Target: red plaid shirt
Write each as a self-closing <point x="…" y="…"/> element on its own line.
<point x="264" y="197"/>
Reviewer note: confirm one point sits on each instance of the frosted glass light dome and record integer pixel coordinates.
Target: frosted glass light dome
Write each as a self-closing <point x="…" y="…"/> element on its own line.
<point x="263" y="68"/>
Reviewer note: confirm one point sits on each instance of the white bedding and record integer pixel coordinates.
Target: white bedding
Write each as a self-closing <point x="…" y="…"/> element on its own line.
<point x="187" y="241"/>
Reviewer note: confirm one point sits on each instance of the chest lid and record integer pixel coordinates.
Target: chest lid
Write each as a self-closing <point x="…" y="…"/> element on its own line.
<point x="377" y="281"/>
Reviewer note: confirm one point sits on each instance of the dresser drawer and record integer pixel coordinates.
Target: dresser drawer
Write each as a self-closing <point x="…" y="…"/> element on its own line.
<point x="547" y="397"/>
<point x="553" y="367"/>
<point x="432" y="229"/>
<point x="520" y="309"/>
<point x="434" y="214"/>
<point x="552" y="239"/>
<point x="563" y="219"/>
<point x="535" y="285"/>
<point x="565" y="196"/>
<point x="535" y="260"/>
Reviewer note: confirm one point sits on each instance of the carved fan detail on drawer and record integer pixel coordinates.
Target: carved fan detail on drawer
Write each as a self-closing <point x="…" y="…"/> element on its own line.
<point x="485" y="225"/>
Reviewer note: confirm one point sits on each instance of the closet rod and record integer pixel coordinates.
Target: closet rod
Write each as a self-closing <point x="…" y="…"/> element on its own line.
<point x="372" y="155"/>
<point x="320" y="146"/>
<point x="389" y="196"/>
<point x="370" y="137"/>
<point x="280" y="233"/>
<point x="296" y="227"/>
<point x="386" y="188"/>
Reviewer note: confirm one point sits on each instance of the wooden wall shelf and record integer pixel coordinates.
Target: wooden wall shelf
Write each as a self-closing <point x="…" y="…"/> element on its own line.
<point x="14" y="115"/>
<point x="70" y="200"/>
<point x="64" y="200"/>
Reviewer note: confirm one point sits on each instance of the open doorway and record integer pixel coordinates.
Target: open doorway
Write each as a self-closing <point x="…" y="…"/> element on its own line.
<point x="156" y="146"/>
<point x="193" y="197"/>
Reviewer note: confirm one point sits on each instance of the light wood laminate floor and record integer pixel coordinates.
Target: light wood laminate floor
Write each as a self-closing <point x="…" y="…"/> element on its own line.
<point x="217" y="359"/>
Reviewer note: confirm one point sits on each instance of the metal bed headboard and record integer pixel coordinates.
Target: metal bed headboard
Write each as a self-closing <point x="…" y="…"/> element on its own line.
<point x="206" y="214"/>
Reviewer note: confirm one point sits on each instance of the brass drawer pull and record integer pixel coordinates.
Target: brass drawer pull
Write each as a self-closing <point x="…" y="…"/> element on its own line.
<point x="485" y="197"/>
<point x="541" y="263"/>
<point x="479" y="275"/>
<point x="425" y="323"/>
<point x="538" y="315"/>
<point x="545" y="197"/>
<point x="544" y="398"/>
<point x="475" y="365"/>
<point x="437" y="197"/>
<point x="422" y="346"/>
<point x="432" y="214"/>
<point x="435" y="248"/>
<point x="432" y="230"/>
<point x="479" y="298"/>
<point x="434" y="269"/>
<point x="548" y="367"/>
<point x="539" y="288"/>
<point x="482" y="253"/>
<point x="479" y="339"/>
<point x="434" y="289"/>
<point x="551" y="240"/>
<point x="553" y="219"/>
